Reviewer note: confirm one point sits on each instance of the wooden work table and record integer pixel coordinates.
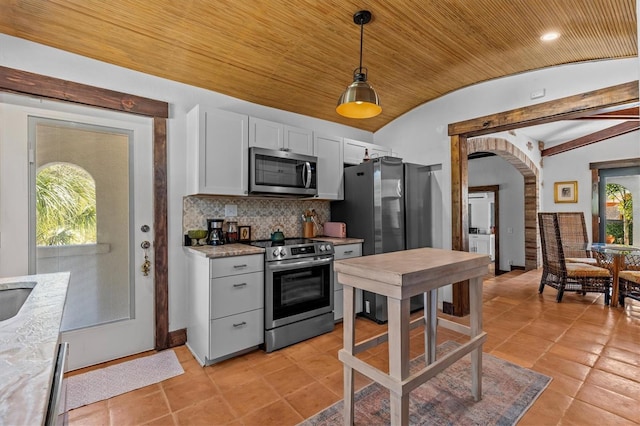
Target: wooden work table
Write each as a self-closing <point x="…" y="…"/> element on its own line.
<point x="400" y="275"/>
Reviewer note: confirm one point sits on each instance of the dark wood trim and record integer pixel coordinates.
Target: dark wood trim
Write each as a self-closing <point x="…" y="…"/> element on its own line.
<point x="16" y="81"/>
<point x="614" y="98"/>
<point x="495" y="189"/>
<point x="615" y="164"/>
<point x="599" y="136"/>
<point x="632" y="113"/>
<point x="177" y="337"/>
<point x="595" y="205"/>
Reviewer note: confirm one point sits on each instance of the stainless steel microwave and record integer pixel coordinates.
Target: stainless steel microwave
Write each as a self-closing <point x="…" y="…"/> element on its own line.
<point x="282" y="173"/>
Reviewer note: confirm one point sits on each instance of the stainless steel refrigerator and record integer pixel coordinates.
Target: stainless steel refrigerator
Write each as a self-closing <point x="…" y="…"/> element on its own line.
<point x="388" y="204"/>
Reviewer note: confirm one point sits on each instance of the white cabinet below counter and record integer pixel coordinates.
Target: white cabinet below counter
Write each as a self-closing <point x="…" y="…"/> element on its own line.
<point x="345" y="251"/>
<point x="483" y="243"/>
<point x="226" y="306"/>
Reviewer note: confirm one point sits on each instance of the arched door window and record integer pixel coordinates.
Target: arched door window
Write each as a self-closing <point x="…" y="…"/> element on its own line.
<point x="65" y="206"/>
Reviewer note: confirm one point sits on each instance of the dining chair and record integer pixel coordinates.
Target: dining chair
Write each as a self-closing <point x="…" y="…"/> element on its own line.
<point x="629" y="279"/>
<point x="573" y="230"/>
<point x="557" y="273"/>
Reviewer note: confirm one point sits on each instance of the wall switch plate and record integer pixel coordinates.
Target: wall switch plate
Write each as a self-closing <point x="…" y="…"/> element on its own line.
<point x="536" y="94"/>
<point x="230" y="210"/>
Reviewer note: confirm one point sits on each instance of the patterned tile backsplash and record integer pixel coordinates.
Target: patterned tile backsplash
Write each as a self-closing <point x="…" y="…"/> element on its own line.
<point x="261" y="214"/>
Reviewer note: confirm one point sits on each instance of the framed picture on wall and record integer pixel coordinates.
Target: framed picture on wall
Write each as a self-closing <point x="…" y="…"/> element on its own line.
<point x="565" y="192"/>
<point x="244" y="233"/>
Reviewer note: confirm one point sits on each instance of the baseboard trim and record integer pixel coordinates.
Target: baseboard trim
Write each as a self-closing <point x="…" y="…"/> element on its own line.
<point x="177" y="337"/>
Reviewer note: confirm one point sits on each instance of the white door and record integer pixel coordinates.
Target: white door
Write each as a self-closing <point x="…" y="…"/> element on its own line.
<point x="109" y="311"/>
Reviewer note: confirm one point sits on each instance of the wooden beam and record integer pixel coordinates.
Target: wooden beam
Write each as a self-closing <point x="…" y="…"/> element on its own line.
<point x="17" y="81"/>
<point x="627" y="114"/>
<point x="460" y="217"/>
<point x="610" y="132"/>
<point x="622" y="96"/>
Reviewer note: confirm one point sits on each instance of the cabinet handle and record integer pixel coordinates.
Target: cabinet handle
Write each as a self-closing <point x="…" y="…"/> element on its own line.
<point x="348" y="251"/>
<point x="240" y="266"/>
<point x="240" y="285"/>
<point x="242" y="324"/>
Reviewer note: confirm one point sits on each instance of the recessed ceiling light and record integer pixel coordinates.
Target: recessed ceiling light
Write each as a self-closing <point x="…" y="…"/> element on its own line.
<point x="549" y="36"/>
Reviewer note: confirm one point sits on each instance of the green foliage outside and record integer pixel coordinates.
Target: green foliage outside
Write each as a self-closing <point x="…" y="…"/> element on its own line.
<point x="621" y="230"/>
<point x="65" y="206"/>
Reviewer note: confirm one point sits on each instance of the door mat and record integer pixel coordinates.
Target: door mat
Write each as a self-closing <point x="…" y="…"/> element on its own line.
<point x="104" y="383"/>
<point x="508" y="391"/>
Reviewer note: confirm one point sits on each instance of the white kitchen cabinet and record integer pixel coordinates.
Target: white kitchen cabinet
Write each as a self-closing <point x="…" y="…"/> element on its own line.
<point x="217" y="152"/>
<point x="483" y="243"/>
<point x="328" y="150"/>
<point x="226" y="306"/>
<point x="272" y="135"/>
<point x="345" y="251"/>
<point x="354" y="151"/>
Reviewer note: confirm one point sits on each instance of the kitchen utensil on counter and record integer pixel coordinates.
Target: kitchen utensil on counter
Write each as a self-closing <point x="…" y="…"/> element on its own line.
<point x="277" y="236"/>
<point x="232" y="231"/>
<point x="307" y="229"/>
<point x="216" y="236"/>
<point x="335" y="229"/>
<point x="197" y="235"/>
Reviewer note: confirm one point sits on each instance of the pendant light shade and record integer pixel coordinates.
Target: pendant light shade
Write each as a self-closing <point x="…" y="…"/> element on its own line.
<point x="360" y="100"/>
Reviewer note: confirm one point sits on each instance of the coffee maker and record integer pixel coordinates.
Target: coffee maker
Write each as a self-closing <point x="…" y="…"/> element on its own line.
<point x="216" y="236"/>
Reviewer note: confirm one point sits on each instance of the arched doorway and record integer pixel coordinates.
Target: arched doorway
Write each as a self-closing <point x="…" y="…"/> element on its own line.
<point x="529" y="171"/>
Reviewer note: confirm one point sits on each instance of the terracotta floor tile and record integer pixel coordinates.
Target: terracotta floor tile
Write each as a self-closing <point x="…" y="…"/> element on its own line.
<point x="321" y="365"/>
<point x="615" y="383"/>
<point x="549" y="407"/>
<point x="211" y="411"/>
<point x="168" y="420"/>
<point x="289" y="379"/>
<point x="613" y="402"/>
<point x="275" y="362"/>
<point x="580" y="414"/>
<point x="300" y="351"/>
<point x="551" y="362"/>
<point x="573" y="354"/>
<point x="250" y="396"/>
<point x="90" y="415"/>
<point x="280" y="413"/>
<point x="230" y="375"/>
<point x="311" y="399"/>
<point x="623" y="355"/>
<point x="619" y="368"/>
<point x="186" y="393"/>
<point x="138" y="410"/>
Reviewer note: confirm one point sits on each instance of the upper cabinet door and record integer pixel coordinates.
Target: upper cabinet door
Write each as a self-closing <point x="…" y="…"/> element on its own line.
<point x="298" y="140"/>
<point x="265" y="134"/>
<point x="217" y="152"/>
<point x="328" y="149"/>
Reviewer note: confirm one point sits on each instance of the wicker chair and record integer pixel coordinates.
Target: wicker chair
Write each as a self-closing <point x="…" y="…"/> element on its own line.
<point x="579" y="277"/>
<point x="575" y="239"/>
<point x="629" y="279"/>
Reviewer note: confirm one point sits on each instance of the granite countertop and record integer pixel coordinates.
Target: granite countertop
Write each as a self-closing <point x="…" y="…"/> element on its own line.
<point x="238" y="249"/>
<point x="339" y="241"/>
<point x="28" y="349"/>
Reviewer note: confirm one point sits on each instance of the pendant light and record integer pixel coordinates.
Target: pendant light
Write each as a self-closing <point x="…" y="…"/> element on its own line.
<point x="360" y="100"/>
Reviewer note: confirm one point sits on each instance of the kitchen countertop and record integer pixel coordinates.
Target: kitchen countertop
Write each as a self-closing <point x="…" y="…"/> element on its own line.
<point x="238" y="249"/>
<point x="28" y="349"/>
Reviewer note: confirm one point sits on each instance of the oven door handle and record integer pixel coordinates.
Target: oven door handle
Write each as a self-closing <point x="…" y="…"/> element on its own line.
<point x="283" y="266"/>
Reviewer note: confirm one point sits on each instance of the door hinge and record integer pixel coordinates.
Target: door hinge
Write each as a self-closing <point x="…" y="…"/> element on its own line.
<point x="32" y="156"/>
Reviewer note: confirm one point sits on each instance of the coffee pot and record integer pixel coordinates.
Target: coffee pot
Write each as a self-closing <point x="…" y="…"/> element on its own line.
<point x="216" y="236"/>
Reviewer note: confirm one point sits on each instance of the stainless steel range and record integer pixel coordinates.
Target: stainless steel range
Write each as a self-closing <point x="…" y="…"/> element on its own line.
<point x="298" y="290"/>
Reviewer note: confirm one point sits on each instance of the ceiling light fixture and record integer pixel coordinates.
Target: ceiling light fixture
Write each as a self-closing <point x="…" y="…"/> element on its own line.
<point x="549" y="36"/>
<point x="359" y="100"/>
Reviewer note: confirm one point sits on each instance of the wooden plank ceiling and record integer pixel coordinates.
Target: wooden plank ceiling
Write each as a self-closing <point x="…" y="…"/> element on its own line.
<point x="299" y="55"/>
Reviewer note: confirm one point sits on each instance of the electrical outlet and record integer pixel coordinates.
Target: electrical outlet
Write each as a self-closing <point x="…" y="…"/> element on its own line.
<point x="230" y="210"/>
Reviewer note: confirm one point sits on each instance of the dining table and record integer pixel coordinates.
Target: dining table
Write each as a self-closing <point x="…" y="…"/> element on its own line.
<point x="612" y="257"/>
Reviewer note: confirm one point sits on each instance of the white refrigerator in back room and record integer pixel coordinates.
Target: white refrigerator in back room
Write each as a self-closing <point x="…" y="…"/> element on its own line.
<point x="388" y="204"/>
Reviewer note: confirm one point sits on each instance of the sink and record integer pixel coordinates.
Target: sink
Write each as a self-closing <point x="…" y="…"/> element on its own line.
<point x="12" y="297"/>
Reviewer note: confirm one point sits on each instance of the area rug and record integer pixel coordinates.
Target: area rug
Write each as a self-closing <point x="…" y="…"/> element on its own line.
<point x="508" y="391"/>
<point x="104" y="383"/>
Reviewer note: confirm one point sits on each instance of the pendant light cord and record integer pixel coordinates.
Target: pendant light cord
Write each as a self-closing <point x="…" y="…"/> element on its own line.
<point x="361" y="38"/>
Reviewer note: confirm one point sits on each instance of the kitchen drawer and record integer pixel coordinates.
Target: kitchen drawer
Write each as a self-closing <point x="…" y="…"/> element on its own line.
<point x="347" y="251"/>
<point x="235" y="333"/>
<point x="236" y="293"/>
<point x="225" y="266"/>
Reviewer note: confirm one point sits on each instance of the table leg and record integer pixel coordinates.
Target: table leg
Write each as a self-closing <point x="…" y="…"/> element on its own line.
<point x="475" y="306"/>
<point x="617" y="263"/>
<point x="348" y="331"/>
<point x="398" y="312"/>
<point x="431" y="323"/>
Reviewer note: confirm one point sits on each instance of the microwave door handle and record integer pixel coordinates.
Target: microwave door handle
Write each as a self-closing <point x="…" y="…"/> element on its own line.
<point x="306" y="174"/>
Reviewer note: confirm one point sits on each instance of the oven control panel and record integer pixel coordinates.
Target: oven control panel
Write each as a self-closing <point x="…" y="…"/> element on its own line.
<point x="299" y="251"/>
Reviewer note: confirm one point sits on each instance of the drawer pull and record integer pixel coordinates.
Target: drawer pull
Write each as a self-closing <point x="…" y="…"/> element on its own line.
<point x="242" y="324"/>
<point x="348" y="251"/>
<point x="240" y="266"/>
<point x="239" y="285"/>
